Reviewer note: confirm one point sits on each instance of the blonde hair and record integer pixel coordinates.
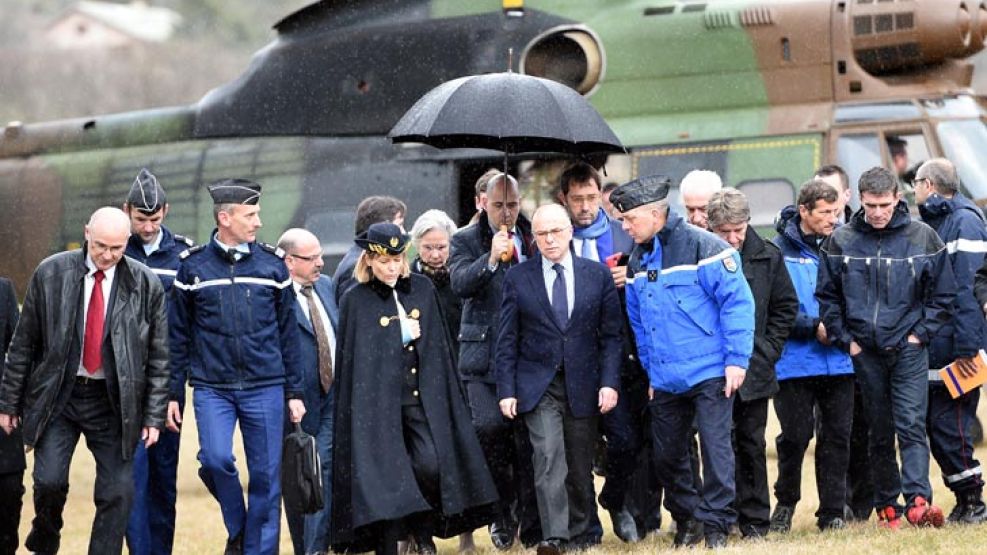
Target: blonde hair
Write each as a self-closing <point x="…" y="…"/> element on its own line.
<point x="363" y="273"/>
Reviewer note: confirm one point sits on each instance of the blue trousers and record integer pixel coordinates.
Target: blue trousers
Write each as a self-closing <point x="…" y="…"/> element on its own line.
<point x="260" y="412"/>
<point x="672" y="417"/>
<point x="950" y="424"/>
<point x="151" y="530"/>
<point x="895" y="387"/>
<point x="310" y="533"/>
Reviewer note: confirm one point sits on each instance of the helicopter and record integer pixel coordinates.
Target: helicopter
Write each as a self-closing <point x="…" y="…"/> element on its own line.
<point x="760" y="91"/>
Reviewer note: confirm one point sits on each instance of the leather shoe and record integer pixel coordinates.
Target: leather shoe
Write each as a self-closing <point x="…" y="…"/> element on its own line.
<point x="716" y="540"/>
<point x="502" y="534"/>
<point x="624" y="526"/>
<point x="551" y="546"/>
<point x="423" y="545"/>
<point x="689" y="532"/>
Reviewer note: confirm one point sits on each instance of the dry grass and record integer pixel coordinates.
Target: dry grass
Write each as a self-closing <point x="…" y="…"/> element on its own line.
<point x="200" y="527"/>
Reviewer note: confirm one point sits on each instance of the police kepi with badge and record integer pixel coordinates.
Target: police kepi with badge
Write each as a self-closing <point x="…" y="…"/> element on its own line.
<point x="692" y="313"/>
<point x="235" y="341"/>
<point x="151" y="528"/>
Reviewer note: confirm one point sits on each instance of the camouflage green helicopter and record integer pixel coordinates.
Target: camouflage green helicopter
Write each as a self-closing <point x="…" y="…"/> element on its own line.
<point x="761" y="91"/>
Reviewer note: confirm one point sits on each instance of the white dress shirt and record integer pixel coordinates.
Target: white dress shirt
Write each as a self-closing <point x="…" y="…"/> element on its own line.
<point x="323" y="315"/>
<point x="87" y="293"/>
<point x="548" y="272"/>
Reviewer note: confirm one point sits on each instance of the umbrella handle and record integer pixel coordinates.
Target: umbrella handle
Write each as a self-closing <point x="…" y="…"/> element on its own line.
<point x="509" y="253"/>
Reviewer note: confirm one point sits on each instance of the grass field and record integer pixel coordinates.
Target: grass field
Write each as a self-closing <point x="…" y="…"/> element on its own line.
<point x="200" y="527"/>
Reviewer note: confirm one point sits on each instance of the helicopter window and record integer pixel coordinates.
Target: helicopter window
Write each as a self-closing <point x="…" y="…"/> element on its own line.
<point x="959" y="107"/>
<point x="963" y="143"/>
<point x="906" y="151"/>
<point x="867" y="112"/>
<point x="857" y="154"/>
<point x="772" y="195"/>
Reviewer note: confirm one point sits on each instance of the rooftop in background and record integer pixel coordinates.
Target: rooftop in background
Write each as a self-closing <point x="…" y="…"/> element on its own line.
<point x="89" y="24"/>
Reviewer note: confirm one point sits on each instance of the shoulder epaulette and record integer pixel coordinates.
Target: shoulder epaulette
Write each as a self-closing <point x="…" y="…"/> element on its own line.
<point x="184" y="239"/>
<point x="271" y="249"/>
<point x="187" y="252"/>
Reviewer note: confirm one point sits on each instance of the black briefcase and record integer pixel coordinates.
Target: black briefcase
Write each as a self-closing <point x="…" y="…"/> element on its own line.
<point x="301" y="472"/>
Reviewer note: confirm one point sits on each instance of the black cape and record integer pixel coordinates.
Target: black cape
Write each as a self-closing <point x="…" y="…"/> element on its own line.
<point x="373" y="481"/>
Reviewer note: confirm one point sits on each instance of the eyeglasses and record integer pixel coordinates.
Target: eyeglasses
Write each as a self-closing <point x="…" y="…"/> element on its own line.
<point x="557" y="232"/>
<point x="312" y="258"/>
<point x="915" y="182"/>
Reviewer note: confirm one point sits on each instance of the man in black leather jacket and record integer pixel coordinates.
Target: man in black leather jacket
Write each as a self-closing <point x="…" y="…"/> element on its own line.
<point x="89" y="357"/>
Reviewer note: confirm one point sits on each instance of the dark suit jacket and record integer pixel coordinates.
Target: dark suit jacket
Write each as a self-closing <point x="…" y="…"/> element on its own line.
<point x="531" y="347"/>
<point x="308" y="353"/>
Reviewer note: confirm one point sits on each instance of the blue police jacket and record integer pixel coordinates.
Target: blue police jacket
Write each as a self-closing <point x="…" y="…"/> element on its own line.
<point x="689" y="305"/>
<point x="233" y="322"/>
<point x="960" y="225"/>
<point x="803" y="355"/>
<point x="163" y="261"/>
<point x="877" y="286"/>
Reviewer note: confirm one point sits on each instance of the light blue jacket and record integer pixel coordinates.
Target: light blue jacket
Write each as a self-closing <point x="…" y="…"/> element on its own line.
<point x="690" y="307"/>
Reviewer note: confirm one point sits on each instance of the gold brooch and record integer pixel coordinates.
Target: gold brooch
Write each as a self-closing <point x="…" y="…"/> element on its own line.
<point x="394" y="242"/>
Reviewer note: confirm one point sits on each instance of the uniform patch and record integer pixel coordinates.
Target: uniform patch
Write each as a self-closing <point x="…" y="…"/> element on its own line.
<point x="730" y="264"/>
<point x="652" y="275"/>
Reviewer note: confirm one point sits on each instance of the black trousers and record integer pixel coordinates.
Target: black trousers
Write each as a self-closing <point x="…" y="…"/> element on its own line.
<point x="89" y="413"/>
<point x="794" y="406"/>
<point x="507" y="450"/>
<point x="11" y="501"/>
<point x="859" y="485"/>
<point x="753" y="500"/>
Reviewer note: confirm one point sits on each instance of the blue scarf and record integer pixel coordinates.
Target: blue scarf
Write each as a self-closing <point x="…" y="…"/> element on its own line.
<point x="599" y="230"/>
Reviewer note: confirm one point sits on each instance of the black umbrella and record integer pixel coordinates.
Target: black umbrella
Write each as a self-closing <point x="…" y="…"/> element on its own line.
<point x="509" y="112"/>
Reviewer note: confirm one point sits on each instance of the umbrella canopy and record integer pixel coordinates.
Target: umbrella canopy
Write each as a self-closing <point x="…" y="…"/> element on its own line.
<point x="509" y="112"/>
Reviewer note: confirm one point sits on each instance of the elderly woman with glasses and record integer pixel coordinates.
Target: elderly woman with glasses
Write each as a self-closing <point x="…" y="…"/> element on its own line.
<point x="406" y="461"/>
<point x="430" y="236"/>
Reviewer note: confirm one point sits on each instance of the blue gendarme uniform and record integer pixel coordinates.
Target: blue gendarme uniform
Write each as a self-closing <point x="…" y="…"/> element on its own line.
<point x="163" y="261"/>
<point x="690" y="307"/>
<point x="233" y="324"/>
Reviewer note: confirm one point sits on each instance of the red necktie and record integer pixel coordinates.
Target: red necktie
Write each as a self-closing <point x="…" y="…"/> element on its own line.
<point x="92" y="343"/>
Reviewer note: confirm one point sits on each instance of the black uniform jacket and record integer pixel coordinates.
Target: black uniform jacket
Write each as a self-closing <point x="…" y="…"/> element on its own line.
<point x="45" y="352"/>
<point x="775" y="307"/>
<point x="373" y="480"/>
<point x="11" y="446"/>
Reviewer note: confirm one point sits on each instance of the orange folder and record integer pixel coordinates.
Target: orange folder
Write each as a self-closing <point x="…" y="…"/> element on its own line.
<point x="957" y="384"/>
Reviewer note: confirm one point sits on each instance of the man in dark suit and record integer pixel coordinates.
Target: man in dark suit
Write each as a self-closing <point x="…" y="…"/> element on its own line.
<point x="558" y="365"/>
<point x="597" y="237"/>
<point x="12" y="463"/>
<point x="317" y="316"/>
<point x="481" y="255"/>
<point x="89" y="357"/>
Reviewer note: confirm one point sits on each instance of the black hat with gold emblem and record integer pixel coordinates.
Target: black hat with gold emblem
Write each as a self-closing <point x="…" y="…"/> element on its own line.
<point x="383" y="238"/>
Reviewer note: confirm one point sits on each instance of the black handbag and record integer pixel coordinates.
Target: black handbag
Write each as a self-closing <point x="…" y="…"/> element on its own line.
<point x="301" y="472"/>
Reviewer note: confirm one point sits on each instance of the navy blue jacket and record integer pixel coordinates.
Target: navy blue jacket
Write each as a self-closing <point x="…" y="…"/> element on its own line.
<point x="804" y="355"/>
<point x="233" y="324"/>
<point x="308" y="352"/>
<point x="690" y="307"/>
<point x="877" y="286"/>
<point x="960" y="224"/>
<point x="164" y="261"/>
<point x="531" y="346"/>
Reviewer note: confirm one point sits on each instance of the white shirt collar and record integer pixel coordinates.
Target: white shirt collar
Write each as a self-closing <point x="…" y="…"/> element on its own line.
<point x="153" y="245"/>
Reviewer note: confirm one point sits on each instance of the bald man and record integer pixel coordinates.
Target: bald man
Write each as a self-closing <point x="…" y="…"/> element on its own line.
<point x="558" y="358"/>
<point x="89" y="357"/>
<point x="316" y="315"/>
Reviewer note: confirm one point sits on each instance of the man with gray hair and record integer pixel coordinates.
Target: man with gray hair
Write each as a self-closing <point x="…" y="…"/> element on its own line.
<point x="776" y="306"/>
<point x="960" y="224"/>
<point x="692" y="314"/>
<point x="885" y="290"/>
<point x="316" y="315"/>
<point x="93" y="326"/>
<point x="695" y="190"/>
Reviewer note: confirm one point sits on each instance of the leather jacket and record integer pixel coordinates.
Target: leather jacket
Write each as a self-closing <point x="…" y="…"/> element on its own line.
<point x="44" y="354"/>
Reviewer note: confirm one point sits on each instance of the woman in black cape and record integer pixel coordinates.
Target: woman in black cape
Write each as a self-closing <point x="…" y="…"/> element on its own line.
<point x="406" y="461"/>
